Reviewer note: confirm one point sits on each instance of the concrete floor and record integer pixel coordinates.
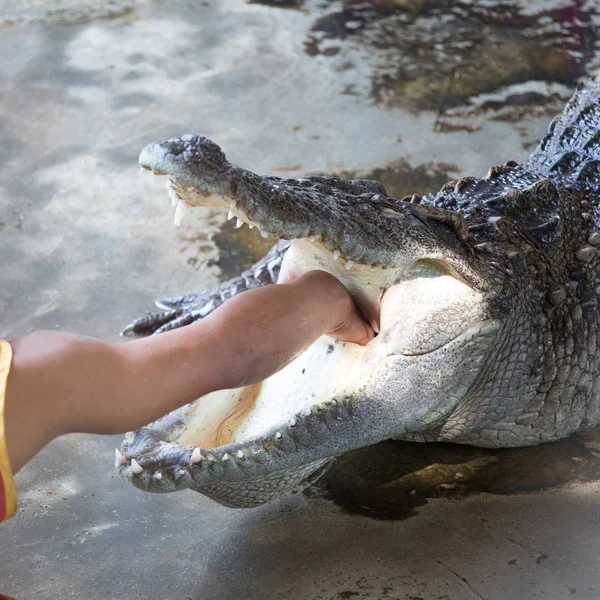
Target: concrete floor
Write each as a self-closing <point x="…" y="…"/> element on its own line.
<point x="85" y="246"/>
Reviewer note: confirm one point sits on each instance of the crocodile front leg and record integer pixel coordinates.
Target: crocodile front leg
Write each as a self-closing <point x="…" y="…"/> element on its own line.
<point x="183" y="310"/>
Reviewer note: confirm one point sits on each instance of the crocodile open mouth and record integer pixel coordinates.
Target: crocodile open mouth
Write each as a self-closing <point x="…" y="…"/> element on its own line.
<point x="246" y="446"/>
<point x="310" y="250"/>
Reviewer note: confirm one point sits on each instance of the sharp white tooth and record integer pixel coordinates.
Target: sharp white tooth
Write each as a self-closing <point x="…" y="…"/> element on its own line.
<point x="292" y="422"/>
<point x="278" y="436"/>
<point x="240" y="454"/>
<point x="263" y="233"/>
<point x="230" y="215"/>
<point x="182" y="471"/>
<point x="158" y="476"/>
<point x="336" y="254"/>
<point x="180" y="210"/>
<point x="136" y="468"/>
<point x="238" y="223"/>
<point x="375" y="326"/>
<point x="349" y="264"/>
<point x="250" y="225"/>
<point x="120" y="458"/>
<point x="174" y="197"/>
<point x="196" y="456"/>
<point x="225" y="457"/>
<point x="306" y="411"/>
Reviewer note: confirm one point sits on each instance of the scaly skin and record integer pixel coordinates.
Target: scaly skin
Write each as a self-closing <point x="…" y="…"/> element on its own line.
<point x="186" y="309"/>
<point x="486" y="295"/>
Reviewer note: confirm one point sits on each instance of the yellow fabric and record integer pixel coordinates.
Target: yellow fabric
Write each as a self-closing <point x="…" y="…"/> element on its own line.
<point x="10" y="490"/>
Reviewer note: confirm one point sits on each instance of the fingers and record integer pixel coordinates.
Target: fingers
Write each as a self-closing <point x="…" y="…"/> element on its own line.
<point x="353" y="329"/>
<point x="341" y="315"/>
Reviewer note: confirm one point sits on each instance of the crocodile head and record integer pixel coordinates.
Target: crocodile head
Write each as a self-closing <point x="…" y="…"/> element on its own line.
<point x="463" y="289"/>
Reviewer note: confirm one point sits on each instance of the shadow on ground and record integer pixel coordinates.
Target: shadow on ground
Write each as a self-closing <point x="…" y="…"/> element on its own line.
<point x="392" y="479"/>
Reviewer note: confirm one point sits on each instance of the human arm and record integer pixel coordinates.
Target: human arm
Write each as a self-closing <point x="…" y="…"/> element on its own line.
<point x="61" y="383"/>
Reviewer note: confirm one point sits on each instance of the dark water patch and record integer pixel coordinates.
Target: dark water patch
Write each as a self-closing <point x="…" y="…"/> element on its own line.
<point x="279" y="3"/>
<point x="393" y="479"/>
<point x="437" y="55"/>
<point x="239" y="248"/>
<point x="511" y="107"/>
<point x="401" y="179"/>
<point x="453" y="126"/>
<point x="66" y="13"/>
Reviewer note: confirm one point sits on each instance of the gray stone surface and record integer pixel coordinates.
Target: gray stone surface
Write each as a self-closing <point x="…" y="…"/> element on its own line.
<point x="85" y="246"/>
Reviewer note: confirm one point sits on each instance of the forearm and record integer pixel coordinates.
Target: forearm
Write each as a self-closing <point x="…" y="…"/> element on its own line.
<point x="55" y="379"/>
<point x="61" y="382"/>
<point x="246" y="340"/>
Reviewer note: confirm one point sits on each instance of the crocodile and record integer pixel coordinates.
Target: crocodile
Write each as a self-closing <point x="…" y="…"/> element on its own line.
<point x="484" y="297"/>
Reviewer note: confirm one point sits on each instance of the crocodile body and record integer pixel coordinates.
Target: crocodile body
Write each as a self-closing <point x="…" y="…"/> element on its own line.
<point x="485" y="295"/>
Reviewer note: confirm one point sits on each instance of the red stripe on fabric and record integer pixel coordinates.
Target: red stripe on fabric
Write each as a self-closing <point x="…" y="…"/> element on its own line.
<point x="2" y="500"/>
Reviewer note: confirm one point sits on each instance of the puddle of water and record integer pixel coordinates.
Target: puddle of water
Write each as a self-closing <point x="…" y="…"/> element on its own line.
<point x="393" y="479"/>
<point x="401" y="179"/>
<point x="279" y="3"/>
<point x="427" y="55"/>
<point x="62" y="12"/>
<point x="239" y="249"/>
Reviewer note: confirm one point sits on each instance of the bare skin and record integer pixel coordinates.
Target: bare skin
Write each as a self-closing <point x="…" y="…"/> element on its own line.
<point x="66" y="383"/>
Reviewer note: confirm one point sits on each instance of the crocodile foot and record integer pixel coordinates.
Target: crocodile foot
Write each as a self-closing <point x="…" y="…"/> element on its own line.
<point x="183" y="310"/>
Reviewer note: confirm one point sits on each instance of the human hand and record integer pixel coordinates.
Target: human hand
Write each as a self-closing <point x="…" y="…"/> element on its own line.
<point x="262" y="330"/>
<point x="329" y="296"/>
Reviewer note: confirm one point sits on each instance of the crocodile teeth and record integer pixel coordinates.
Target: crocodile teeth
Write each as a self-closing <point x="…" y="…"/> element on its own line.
<point x="173" y="196"/>
<point x="180" y="211"/>
<point x="263" y="233"/>
<point x="196" y="456"/>
<point x="250" y="225"/>
<point x="136" y="468"/>
<point x="120" y="458"/>
<point x="336" y="254"/>
<point x="230" y="215"/>
<point x="238" y="223"/>
<point x="349" y="264"/>
<point x="158" y="476"/>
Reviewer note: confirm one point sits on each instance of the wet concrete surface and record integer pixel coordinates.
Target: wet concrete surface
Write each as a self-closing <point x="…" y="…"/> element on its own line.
<point x="408" y="92"/>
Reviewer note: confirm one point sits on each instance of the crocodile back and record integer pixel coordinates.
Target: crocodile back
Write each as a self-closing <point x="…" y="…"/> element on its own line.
<point x="570" y="152"/>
